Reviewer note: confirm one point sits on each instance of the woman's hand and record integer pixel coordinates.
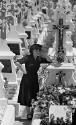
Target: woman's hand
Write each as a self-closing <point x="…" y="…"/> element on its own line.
<point x="21" y="67"/>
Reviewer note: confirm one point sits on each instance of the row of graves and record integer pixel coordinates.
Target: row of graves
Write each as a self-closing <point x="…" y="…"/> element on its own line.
<point x="18" y="30"/>
<point x="56" y="100"/>
<point x="16" y="42"/>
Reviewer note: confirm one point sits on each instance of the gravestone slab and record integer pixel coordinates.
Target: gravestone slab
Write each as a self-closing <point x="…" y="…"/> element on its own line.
<point x="29" y="32"/>
<point x="14" y="42"/>
<point x="67" y="68"/>
<point x="6" y="58"/>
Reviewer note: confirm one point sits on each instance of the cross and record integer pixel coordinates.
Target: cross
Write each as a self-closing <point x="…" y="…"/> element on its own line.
<point x="60" y="29"/>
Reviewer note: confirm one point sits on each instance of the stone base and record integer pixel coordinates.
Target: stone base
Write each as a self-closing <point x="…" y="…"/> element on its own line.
<point x="16" y="106"/>
<point x="66" y="68"/>
<point x="3" y="102"/>
<point x="9" y="116"/>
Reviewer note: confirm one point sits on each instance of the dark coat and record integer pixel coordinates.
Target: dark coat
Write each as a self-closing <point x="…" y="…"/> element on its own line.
<point x="29" y="84"/>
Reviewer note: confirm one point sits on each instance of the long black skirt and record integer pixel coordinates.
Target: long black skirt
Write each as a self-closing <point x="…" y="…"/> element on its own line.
<point x="28" y="89"/>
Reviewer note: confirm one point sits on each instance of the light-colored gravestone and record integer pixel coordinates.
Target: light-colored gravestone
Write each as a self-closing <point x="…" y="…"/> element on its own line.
<point x="33" y="23"/>
<point x="13" y="41"/>
<point x="9" y="72"/>
<point x="6" y="58"/>
<point x="6" y="111"/>
<point x="29" y="32"/>
<point x="23" y="36"/>
<point x="66" y="68"/>
<point x="59" y="111"/>
<point x="2" y="90"/>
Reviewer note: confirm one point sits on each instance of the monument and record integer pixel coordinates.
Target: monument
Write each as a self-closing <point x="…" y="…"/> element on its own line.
<point x="29" y="32"/>
<point x="34" y="25"/>
<point x="23" y="36"/>
<point x="7" y="112"/>
<point x="60" y="111"/>
<point x="9" y="70"/>
<point x="60" y="49"/>
<point x="13" y="41"/>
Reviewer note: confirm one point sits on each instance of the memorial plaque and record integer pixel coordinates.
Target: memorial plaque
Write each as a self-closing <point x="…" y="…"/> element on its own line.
<point x="60" y="112"/>
<point x="14" y="47"/>
<point x="7" y="65"/>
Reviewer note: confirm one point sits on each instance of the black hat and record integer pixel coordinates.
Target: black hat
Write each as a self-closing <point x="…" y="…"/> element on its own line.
<point x="35" y="47"/>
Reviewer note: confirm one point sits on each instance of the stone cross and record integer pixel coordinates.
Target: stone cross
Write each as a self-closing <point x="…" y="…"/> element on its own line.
<point x="61" y="28"/>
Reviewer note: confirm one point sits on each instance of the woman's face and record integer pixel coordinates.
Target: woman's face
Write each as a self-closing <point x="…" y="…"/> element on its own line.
<point x="36" y="53"/>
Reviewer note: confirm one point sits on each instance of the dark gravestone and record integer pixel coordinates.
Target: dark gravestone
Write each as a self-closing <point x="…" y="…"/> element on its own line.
<point x="29" y="34"/>
<point x="7" y="65"/>
<point x="15" y="48"/>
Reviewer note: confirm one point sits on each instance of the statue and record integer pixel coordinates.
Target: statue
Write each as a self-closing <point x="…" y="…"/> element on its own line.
<point x="60" y="76"/>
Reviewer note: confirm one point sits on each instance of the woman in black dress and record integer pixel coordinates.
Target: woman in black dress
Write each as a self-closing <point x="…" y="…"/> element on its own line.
<point x="29" y="86"/>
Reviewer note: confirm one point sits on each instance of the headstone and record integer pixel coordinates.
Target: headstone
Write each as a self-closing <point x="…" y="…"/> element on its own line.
<point x="60" y="112"/>
<point x="34" y="25"/>
<point x="67" y="68"/>
<point x="6" y="58"/>
<point x="23" y="36"/>
<point x="2" y="91"/>
<point x="14" y="42"/>
<point x="9" y="116"/>
<point x="29" y="32"/>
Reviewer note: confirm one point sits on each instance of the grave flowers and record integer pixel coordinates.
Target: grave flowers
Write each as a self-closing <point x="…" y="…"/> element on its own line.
<point x="47" y="96"/>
